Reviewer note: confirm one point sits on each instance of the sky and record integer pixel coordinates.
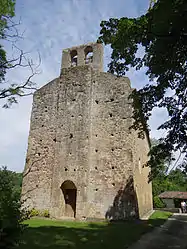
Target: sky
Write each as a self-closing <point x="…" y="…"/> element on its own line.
<point x="48" y="27"/>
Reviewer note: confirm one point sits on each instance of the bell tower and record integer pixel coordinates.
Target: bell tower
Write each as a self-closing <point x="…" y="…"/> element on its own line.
<point x="89" y="54"/>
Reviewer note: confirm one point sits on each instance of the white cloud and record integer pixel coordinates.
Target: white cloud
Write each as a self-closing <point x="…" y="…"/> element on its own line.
<point x="50" y="26"/>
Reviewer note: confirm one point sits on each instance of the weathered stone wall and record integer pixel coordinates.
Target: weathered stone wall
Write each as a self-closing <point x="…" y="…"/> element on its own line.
<point x="72" y="138"/>
<point x="80" y="133"/>
<point x="41" y="148"/>
<point x="141" y="174"/>
<point x="111" y="171"/>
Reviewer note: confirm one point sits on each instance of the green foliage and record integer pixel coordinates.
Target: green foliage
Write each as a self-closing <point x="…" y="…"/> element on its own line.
<point x="33" y="212"/>
<point x="45" y="213"/>
<point x="7" y="11"/>
<point x="11" y="216"/>
<point x="17" y="182"/>
<point x="178" y="178"/>
<point x="161" y="168"/>
<point x="175" y="180"/>
<point x="8" y="31"/>
<point x="160" y="215"/>
<point x="42" y="213"/>
<point x="162" y="32"/>
<point x="157" y="202"/>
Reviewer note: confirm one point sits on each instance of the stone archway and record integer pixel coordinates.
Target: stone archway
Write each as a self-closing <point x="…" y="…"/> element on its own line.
<point x="69" y="191"/>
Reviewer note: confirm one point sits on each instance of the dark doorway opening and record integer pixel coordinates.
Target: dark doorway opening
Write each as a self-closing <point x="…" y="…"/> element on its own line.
<point x="69" y="191"/>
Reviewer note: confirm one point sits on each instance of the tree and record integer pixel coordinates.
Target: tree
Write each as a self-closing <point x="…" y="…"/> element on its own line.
<point x="17" y="182"/>
<point x="178" y="177"/>
<point x="161" y="169"/>
<point x="165" y="180"/>
<point x="162" y="32"/>
<point x="174" y="181"/>
<point x="8" y="32"/>
<point x="11" y="216"/>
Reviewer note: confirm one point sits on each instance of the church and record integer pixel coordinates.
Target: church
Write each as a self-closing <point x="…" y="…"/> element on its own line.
<point x="83" y="160"/>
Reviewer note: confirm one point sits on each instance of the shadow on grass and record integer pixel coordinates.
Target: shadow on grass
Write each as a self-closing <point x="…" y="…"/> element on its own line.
<point x="104" y="235"/>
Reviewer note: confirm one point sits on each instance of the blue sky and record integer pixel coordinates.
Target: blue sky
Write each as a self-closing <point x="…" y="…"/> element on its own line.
<point x="50" y="26"/>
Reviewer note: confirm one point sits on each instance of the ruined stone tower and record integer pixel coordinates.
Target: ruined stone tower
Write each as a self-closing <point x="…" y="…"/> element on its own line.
<point x="82" y="160"/>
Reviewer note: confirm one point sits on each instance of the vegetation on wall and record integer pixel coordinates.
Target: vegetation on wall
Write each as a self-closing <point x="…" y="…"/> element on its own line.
<point x="41" y="213"/>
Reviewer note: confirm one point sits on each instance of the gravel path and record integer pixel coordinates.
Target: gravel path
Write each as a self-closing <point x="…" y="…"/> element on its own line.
<point x="173" y="234"/>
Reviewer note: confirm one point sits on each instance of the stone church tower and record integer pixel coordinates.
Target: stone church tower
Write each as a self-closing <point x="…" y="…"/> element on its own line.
<point x="82" y="159"/>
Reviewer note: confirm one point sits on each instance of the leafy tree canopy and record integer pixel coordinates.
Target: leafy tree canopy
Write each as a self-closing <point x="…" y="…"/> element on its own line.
<point x="6" y="12"/>
<point x="167" y="180"/>
<point x="11" y="215"/>
<point x="162" y="32"/>
<point x="8" y="32"/>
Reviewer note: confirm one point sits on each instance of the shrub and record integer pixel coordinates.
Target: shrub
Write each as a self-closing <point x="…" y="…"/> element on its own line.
<point x="45" y="213"/>
<point x="33" y="212"/>
<point x="11" y="216"/>
<point x="158" y="203"/>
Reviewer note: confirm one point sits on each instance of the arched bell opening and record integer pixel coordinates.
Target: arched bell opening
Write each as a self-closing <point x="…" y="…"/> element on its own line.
<point x="88" y="55"/>
<point x="73" y="58"/>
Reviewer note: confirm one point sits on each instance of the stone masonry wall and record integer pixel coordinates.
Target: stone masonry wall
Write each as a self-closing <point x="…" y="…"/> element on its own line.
<point x="141" y="175"/>
<point x="41" y="148"/>
<point x="80" y="133"/>
<point x="110" y="149"/>
<point x="98" y="156"/>
<point x="72" y="138"/>
<point x="97" y="63"/>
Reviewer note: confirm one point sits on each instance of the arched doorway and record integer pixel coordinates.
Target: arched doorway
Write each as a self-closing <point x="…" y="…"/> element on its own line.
<point x="69" y="191"/>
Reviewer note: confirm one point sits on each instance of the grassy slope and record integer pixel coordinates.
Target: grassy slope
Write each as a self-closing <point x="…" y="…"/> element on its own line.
<point x="160" y="215"/>
<point x="82" y="235"/>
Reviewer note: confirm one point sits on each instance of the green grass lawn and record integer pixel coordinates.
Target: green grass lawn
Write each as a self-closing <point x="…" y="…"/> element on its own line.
<point x="50" y="234"/>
